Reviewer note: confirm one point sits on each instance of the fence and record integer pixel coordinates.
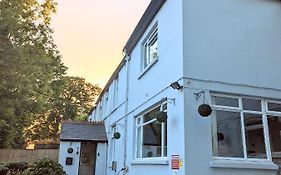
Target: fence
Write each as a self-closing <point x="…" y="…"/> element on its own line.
<point x="12" y="155"/>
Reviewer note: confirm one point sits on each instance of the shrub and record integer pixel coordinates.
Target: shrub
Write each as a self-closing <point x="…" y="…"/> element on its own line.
<point x="3" y="170"/>
<point x="17" y="166"/>
<point x="45" y="167"/>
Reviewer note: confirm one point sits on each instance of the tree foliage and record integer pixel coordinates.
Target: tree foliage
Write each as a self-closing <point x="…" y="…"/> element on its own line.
<point x="29" y="62"/>
<point x="34" y="93"/>
<point x="72" y="100"/>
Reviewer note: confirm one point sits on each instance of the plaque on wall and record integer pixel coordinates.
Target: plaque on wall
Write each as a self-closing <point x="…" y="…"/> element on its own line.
<point x="69" y="161"/>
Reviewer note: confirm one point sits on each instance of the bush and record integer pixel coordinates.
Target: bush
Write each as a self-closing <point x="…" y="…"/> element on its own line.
<point x="3" y="169"/>
<point x="45" y="167"/>
<point x="17" y="166"/>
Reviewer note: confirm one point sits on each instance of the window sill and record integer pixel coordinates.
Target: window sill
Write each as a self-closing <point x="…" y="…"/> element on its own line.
<point x="266" y="165"/>
<point x="147" y="68"/>
<point x="151" y="161"/>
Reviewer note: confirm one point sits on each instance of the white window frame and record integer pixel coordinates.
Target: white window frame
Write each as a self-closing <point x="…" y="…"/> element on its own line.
<point x="264" y="112"/>
<point x="146" y="61"/>
<point x="140" y="125"/>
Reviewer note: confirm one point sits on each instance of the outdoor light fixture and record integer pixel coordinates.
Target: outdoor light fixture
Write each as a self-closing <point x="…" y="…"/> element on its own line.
<point x="176" y="85"/>
<point x="161" y="116"/>
<point x="117" y="135"/>
<point x="70" y="150"/>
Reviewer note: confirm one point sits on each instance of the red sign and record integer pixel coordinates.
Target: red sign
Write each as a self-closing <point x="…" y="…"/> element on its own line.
<point x="175" y="162"/>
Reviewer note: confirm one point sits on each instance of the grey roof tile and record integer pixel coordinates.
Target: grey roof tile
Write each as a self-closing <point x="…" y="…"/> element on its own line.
<point x="83" y="131"/>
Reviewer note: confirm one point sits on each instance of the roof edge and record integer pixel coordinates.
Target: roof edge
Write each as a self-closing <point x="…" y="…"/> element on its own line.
<point x="113" y="77"/>
<point x="139" y="30"/>
<point x="81" y="140"/>
<point x="145" y="21"/>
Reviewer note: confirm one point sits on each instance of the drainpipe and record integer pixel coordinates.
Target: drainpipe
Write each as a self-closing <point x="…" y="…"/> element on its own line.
<point x="127" y="58"/>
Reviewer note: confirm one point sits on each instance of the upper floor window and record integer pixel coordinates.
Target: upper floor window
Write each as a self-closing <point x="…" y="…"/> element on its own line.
<point x="246" y="128"/>
<point x="115" y="93"/>
<point x="150" y="49"/>
<point x="151" y="136"/>
<point x="105" y="102"/>
<point x="100" y="111"/>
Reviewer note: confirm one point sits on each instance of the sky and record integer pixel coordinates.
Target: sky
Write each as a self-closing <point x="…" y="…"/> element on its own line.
<point x="91" y="34"/>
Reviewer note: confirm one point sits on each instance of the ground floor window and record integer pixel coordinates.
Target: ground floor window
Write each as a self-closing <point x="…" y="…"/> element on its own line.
<point x="151" y="135"/>
<point x="246" y="128"/>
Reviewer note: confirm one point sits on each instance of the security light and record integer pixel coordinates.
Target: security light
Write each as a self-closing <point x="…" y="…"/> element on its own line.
<point x="176" y="85"/>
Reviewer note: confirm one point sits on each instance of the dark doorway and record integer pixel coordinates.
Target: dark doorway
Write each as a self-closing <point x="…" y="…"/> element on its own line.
<point x="87" y="158"/>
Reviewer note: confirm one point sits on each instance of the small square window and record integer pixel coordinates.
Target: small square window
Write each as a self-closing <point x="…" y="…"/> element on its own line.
<point x="251" y="104"/>
<point x="150" y="49"/>
<point x="225" y="101"/>
<point x="275" y="107"/>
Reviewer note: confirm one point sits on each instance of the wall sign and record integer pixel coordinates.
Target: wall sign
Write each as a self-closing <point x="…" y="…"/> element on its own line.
<point x="69" y="161"/>
<point x="175" y="162"/>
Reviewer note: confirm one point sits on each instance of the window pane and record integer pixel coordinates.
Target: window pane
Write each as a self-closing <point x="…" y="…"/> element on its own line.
<point x="223" y="101"/>
<point x="139" y="146"/>
<point x="229" y="140"/>
<point x="153" y="49"/>
<point x="151" y="115"/>
<point x="274" y="126"/>
<point x="251" y="104"/>
<point x="274" y="107"/>
<point x="165" y="140"/>
<point x="151" y="140"/>
<point x="254" y="136"/>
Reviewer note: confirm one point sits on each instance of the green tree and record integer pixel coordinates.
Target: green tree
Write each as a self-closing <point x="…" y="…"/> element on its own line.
<point x="72" y="99"/>
<point x="29" y="64"/>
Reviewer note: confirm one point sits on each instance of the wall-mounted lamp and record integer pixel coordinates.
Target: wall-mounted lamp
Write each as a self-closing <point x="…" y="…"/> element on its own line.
<point x="116" y="135"/>
<point x="176" y="85"/>
<point x="70" y="150"/>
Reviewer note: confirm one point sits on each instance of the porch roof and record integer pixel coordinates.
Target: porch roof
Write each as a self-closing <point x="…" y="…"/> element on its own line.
<point x="83" y="131"/>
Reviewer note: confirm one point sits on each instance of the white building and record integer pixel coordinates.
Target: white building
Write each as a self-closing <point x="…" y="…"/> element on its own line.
<point x="222" y="53"/>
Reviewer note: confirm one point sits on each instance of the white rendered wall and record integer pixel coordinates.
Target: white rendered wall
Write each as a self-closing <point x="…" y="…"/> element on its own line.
<point x="231" y="47"/>
<point x="234" y="41"/>
<point x="150" y="88"/>
<point x="63" y="154"/>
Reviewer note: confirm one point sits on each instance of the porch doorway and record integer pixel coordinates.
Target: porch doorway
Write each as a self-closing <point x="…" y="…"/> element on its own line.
<point x="87" y="158"/>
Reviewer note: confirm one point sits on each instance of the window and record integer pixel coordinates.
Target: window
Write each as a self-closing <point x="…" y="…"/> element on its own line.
<point x="150" y="49"/>
<point x="100" y="111"/>
<point x="115" y="93"/>
<point x="105" y="103"/>
<point x="246" y="128"/>
<point x="151" y="136"/>
<point x="274" y="127"/>
<point x="112" y="147"/>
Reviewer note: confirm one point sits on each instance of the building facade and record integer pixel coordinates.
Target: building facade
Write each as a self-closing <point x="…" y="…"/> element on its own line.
<point x="185" y="53"/>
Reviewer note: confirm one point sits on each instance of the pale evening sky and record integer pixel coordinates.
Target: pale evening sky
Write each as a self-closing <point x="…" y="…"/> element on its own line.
<point x="91" y="34"/>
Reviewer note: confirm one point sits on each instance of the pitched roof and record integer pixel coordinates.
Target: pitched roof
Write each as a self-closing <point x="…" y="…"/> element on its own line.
<point x="83" y="131"/>
<point x="148" y="16"/>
